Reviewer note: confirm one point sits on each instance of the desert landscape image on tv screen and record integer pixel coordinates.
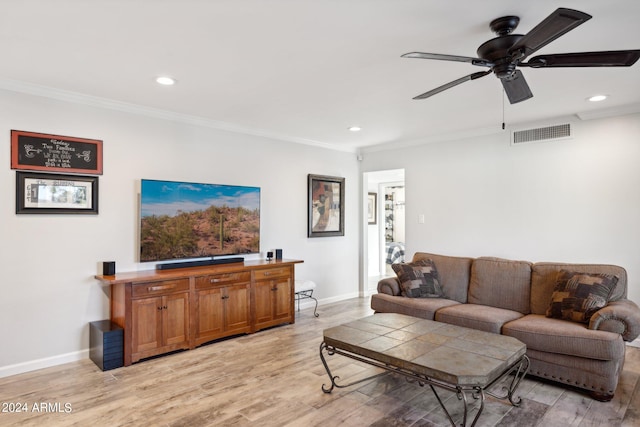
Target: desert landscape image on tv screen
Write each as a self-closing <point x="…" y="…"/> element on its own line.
<point x="181" y="220"/>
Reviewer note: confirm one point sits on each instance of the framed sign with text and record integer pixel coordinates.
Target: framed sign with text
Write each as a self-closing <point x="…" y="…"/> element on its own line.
<point x="50" y="193"/>
<point x="55" y="153"/>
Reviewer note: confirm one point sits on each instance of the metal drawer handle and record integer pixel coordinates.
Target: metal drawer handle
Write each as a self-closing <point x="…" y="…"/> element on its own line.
<point x="269" y="273"/>
<point x="160" y="288"/>
<point x="214" y="280"/>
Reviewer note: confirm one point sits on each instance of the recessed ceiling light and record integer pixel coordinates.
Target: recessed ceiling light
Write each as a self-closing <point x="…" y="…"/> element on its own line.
<point x="598" y="98"/>
<point x="167" y="81"/>
<point x="355" y="128"/>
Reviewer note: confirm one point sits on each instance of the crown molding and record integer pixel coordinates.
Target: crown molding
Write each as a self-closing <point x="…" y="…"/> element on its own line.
<point x="622" y="110"/>
<point x="157" y="113"/>
<point x="432" y="139"/>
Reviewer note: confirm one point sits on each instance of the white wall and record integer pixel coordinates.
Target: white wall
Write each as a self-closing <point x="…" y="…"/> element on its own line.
<point x="576" y="200"/>
<point x="48" y="261"/>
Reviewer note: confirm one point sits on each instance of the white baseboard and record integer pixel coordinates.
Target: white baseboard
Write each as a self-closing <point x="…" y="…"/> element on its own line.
<point x="309" y="303"/>
<point x="306" y="303"/>
<point x="634" y="343"/>
<point x="368" y="292"/>
<point x="47" y="362"/>
<point x="338" y="298"/>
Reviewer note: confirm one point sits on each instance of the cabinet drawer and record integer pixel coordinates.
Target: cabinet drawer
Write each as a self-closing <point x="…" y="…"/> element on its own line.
<point x="272" y="273"/>
<point x="159" y="288"/>
<point x="222" y="279"/>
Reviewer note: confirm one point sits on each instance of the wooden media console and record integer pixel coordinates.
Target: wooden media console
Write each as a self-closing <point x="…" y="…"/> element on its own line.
<point x="162" y="311"/>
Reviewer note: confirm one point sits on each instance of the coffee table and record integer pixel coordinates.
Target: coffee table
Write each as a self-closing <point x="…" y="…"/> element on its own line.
<point x="458" y="359"/>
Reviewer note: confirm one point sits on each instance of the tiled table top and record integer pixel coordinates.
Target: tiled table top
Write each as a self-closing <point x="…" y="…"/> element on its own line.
<point x="448" y="353"/>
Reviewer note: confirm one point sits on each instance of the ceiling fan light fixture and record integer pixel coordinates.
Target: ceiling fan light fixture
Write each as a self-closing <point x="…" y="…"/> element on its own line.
<point x="505" y="54"/>
<point x="165" y="80"/>
<point x="597" y="98"/>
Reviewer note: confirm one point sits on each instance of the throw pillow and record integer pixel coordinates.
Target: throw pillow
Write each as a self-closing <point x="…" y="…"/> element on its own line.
<point x="577" y="296"/>
<point x="419" y="279"/>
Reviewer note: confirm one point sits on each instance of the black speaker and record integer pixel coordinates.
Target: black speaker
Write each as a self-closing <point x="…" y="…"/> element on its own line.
<point x="278" y="253"/>
<point x="109" y="268"/>
<point x="107" y="348"/>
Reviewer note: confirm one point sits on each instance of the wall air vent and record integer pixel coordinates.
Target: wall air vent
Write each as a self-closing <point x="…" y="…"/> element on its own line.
<point x="549" y="133"/>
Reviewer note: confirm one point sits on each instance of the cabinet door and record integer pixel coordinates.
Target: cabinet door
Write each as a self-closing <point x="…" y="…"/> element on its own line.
<point x="282" y="297"/>
<point x="273" y="302"/>
<point x="264" y="301"/>
<point x="175" y="324"/>
<point x="209" y="320"/>
<point x="237" y="304"/>
<point x="146" y="331"/>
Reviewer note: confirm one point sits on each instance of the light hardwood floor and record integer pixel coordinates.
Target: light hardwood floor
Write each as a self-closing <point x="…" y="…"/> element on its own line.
<point x="274" y="378"/>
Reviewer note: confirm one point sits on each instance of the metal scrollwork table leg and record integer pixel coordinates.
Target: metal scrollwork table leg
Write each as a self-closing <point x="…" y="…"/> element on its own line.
<point x="519" y="370"/>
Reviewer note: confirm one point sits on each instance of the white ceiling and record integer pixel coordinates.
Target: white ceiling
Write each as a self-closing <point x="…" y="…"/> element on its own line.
<point x="306" y="70"/>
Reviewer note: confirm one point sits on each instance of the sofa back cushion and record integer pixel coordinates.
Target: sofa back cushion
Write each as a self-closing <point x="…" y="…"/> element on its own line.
<point x="453" y="272"/>
<point x="544" y="276"/>
<point x="501" y="283"/>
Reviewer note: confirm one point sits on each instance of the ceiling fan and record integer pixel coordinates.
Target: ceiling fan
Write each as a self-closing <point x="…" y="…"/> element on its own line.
<point x="505" y="53"/>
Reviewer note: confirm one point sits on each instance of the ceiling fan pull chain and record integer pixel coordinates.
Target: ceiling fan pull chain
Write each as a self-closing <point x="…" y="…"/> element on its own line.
<point x="503" y="95"/>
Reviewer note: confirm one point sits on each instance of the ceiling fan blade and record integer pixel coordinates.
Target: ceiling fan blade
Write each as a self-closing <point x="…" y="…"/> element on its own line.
<point x="516" y="88"/>
<point x="612" y="58"/>
<point x="453" y="83"/>
<point x="555" y="25"/>
<point x="441" y="57"/>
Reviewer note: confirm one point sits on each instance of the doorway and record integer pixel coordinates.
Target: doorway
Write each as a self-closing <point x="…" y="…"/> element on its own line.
<point x="384" y="236"/>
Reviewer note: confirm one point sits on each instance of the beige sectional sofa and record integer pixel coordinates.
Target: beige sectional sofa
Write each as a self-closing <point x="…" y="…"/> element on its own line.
<point x="513" y="298"/>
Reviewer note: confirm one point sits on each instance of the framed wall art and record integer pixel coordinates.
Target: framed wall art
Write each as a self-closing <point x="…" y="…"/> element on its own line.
<point x="55" y="153"/>
<point x="372" y="208"/>
<point x="326" y="206"/>
<point x="46" y="193"/>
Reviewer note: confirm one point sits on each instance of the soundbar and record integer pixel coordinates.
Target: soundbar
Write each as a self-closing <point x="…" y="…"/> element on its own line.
<point x="199" y="263"/>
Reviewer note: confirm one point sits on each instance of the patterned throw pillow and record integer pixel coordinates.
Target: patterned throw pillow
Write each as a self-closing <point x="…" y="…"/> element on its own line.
<point x="419" y="279"/>
<point x="577" y="296"/>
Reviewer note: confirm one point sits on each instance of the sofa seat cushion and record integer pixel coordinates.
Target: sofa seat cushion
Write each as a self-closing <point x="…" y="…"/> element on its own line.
<point x="559" y="336"/>
<point x="424" y="308"/>
<point x="476" y="316"/>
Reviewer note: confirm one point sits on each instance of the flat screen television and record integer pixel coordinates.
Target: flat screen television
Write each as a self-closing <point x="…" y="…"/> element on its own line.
<point x="180" y="220"/>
